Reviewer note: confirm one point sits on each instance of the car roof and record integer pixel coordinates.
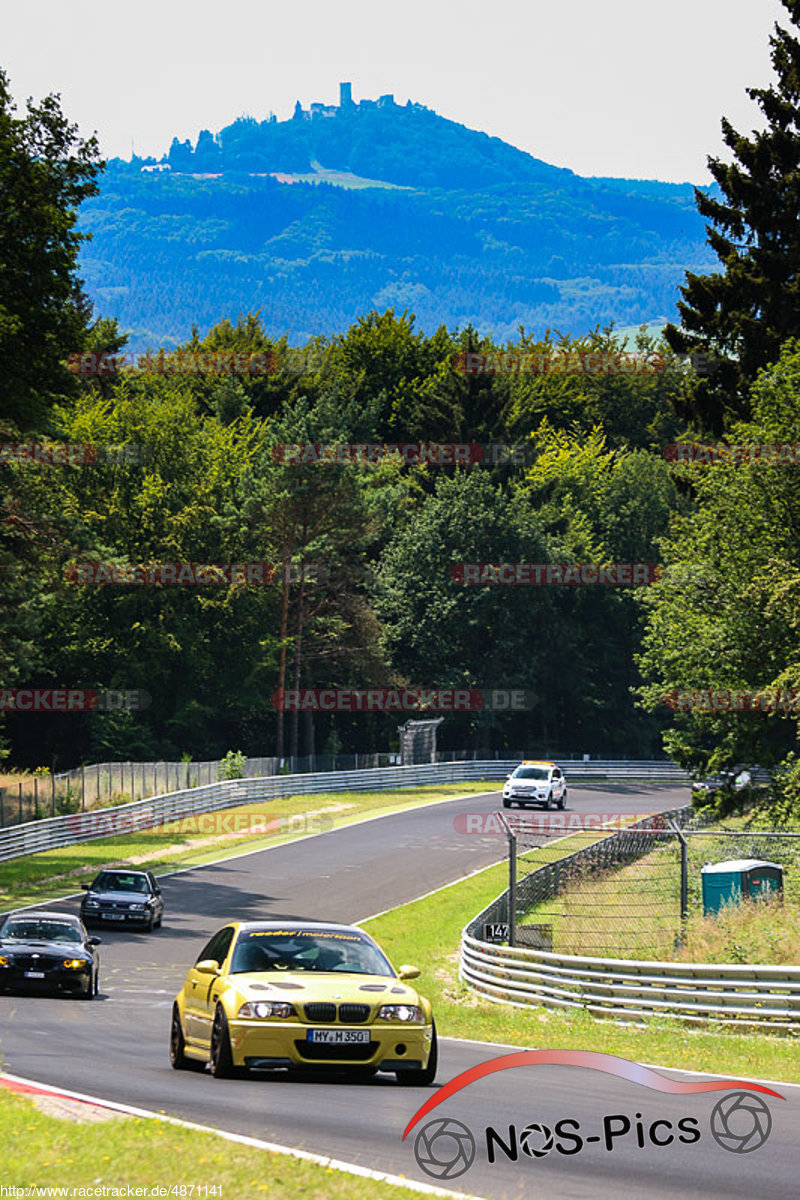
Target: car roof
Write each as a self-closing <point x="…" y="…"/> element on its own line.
<point x="45" y="916"/>
<point x="121" y="871"/>
<point x="536" y="762"/>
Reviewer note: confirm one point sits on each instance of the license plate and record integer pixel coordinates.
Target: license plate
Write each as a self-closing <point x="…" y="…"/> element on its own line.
<point x="34" y="974"/>
<point x="339" y="1037"/>
<point x="113" y="916"/>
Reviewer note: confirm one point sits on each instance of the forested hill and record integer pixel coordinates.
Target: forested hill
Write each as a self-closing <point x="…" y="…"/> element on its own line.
<point x="315" y="220"/>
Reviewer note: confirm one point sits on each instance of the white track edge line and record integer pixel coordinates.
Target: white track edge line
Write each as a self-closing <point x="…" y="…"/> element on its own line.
<point x="334" y="1164"/>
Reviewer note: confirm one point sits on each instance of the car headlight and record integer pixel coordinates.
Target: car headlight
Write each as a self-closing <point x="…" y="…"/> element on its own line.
<point x="266" y="1008"/>
<point x="74" y="964"/>
<point x="136" y="907"/>
<point x="92" y="904"/>
<point x="5" y="961"/>
<point x="401" y="1012"/>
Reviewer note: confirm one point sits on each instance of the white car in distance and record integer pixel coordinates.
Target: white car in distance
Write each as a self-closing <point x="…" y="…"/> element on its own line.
<point x="534" y="782"/>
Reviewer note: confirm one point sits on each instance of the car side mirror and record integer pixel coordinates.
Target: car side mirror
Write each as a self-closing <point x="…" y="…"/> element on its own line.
<point x="86" y="887"/>
<point x="207" y="966"/>
<point x="407" y="972"/>
<point x="508" y="776"/>
<point x="94" y="941"/>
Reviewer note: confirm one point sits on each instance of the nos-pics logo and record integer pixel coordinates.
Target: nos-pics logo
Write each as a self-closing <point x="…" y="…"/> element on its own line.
<point x="445" y="1148"/>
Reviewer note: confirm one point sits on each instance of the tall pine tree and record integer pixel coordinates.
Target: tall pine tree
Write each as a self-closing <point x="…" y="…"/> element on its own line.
<point x="737" y="320"/>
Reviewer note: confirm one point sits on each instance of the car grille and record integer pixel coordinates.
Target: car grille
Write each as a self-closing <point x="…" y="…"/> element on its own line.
<point x="320" y="1012"/>
<point x="44" y="962"/>
<point x="321" y="1053"/>
<point x="349" y="1014"/>
<point x="353" y="1014"/>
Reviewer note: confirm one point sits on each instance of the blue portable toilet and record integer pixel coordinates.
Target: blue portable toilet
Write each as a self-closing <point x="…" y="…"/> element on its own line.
<point x="728" y="882"/>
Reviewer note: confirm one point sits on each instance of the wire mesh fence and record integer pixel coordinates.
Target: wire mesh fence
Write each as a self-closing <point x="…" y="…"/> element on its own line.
<point x="635" y="889"/>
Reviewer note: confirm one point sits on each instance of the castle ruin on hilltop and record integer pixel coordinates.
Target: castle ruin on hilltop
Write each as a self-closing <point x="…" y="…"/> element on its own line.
<point x="346" y="103"/>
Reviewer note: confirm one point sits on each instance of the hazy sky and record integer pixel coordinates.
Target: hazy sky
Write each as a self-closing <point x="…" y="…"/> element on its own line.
<point x="607" y="87"/>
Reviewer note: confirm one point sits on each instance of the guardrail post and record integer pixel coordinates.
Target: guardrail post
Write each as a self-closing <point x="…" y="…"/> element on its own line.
<point x="53" y="792"/>
<point x="35" y="797"/>
<point x="83" y="791"/>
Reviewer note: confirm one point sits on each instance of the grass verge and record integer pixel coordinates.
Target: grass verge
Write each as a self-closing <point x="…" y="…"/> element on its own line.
<point x="37" y="877"/>
<point x="138" y="1152"/>
<point x="428" y="931"/>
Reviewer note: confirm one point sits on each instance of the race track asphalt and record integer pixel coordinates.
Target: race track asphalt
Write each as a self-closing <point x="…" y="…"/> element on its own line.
<point x="116" y="1047"/>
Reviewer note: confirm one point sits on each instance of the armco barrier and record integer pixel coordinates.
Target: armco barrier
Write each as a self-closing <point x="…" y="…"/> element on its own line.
<point x="747" y="996"/>
<point x="52" y="832"/>
<point x="768" y="997"/>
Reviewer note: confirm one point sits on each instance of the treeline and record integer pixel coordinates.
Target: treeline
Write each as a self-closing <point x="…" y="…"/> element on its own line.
<point x="205" y="481"/>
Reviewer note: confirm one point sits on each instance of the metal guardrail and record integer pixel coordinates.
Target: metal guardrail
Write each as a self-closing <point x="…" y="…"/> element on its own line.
<point x="51" y="833"/>
<point x="748" y="996"/>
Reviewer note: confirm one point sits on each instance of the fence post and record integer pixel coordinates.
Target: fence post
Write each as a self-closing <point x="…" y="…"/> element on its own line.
<point x="684" y="879"/>
<point x="53" y="792"/>
<point x="35" y="797"/>
<point x="19" y="813"/>
<point x="512" y="889"/>
<point x="83" y="790"/>
<point x="2" y="807"/>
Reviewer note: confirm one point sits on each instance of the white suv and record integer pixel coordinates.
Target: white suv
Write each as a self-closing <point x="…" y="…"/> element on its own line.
<point x="540" y="783"/>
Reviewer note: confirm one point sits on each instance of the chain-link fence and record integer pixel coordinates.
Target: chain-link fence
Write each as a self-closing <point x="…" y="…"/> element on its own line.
<point x="628" y="889"/>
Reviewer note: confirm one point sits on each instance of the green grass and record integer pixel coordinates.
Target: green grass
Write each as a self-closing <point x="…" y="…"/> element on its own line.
<point x="428" y="931"/>
<point x="52" y="873"/>
<point x="141" y="1152"/>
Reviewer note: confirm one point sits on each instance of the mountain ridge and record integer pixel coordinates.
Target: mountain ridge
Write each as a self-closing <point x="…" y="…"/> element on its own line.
<point x="388" y="206"/>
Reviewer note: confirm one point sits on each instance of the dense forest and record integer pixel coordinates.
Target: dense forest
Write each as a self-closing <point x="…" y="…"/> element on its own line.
<point x="191" y="466"/>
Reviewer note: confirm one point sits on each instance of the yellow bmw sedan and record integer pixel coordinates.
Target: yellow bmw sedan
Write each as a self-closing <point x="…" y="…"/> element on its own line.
<point x="269" y="994"/>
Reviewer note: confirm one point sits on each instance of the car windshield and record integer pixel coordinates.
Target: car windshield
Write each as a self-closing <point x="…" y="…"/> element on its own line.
<point x="31" y="930"/>
<point x="111" y="882"/>
<point x="539" y="773"/>
<point x="307" y="950"/>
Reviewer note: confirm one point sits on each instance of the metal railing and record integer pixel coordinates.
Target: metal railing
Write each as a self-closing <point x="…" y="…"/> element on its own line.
<point x="749" y="996"/>
<point x="52" y="832"/>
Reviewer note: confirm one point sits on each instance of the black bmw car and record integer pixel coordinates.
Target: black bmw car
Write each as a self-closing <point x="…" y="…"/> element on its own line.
<point x="124" y="897"/>
<point x="48" y="952"/>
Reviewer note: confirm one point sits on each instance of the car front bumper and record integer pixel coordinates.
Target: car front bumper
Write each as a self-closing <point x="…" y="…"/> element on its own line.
<point x="391" y="1046"/>
<point x="110" y="916"/>
<point x="73" y="981"/>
